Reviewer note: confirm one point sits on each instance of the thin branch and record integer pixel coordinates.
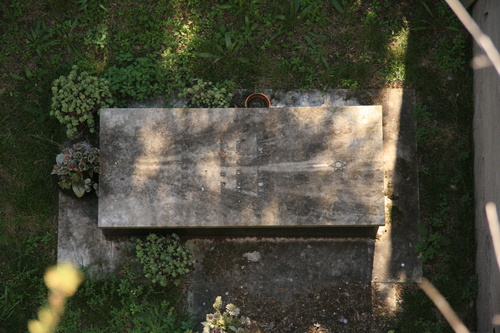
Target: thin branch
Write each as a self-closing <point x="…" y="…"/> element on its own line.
<point x="491" y="214"/>
<point x="46" y="139"/>
<point x="482" y="39"/>
<point x="443" y="306"/>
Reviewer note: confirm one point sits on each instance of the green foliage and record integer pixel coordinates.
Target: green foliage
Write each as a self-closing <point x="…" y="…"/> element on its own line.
<point x="113" y="303"/>
<point x="76" y="98"/>
<point x="97" y="37"/>
<point x="136" y="78"/>
<point x="143" y="26"/>
<point x="31" y="77"/>
<point x="299" y="67"/>
<point x="66" y="31"/>
<point x="40" y="38"/>
<point x="427" y="326"/>
<point x="470" y="289"/>
<point x="426" y="129"/>
<point x="431" y="232"/>
<point x="350" y="84"/>
<point x="291" y="21"/>
<point x="22" y="289"/>
<point x="450" y="54"/>
<point x="205" y="94"/>
<point x="230" y="43"/>
<point x="439" y="16"/>
<point x="338" y="7"/>
<point x="425" y="134"/>
<point x="164" y="259"/>
<point x="421" y="113"/>
<point x="9" y="301"/>
<point x="159" y="318"/>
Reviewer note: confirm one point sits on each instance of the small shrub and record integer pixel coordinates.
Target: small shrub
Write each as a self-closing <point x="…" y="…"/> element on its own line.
<point x="165" y="259"/>
<point x="76" y="98"/>
<point x="205" y="94"/>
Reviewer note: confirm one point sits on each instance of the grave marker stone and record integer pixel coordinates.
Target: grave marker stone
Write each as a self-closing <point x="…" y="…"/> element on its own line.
<point x="277" y="167"/>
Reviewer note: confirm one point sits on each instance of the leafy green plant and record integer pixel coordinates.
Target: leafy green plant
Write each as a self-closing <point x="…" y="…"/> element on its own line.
<point x="291" y="21"/>
<point x="136" y="78"/>
<point x="350" y="84"/>
<point x="40" y="39"/>
<point x="426" y="129"/>
<point x="338" y="7"/>
<point x="31" y="77"/>
<point x="76" y="98"/>
<point x="440" y="16"/>
<point x="421" y="113"/>
<point x="69" y="38"/>
<point x="114" y="302"/>
<point x="425" y="135"/>
<point x="205" y="94"/>
<point x="9" y="300"/>
<point x="12" y="14"/>
<point x="164" y="259"/>
<point x="230" y="43"/>
<point x="226" y="321"/>
<point x="97" y="36"/>
<point x="431" y="245"/>
<point x="76" y="168"/>
<point x="433" y="240"/>
<point x="450" y="54"/>
<point x="159" y="318"/>
<point x="427" y="326"/>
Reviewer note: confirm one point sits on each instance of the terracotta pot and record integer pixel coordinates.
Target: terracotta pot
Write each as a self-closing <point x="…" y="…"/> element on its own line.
<point x="257" y="98"/>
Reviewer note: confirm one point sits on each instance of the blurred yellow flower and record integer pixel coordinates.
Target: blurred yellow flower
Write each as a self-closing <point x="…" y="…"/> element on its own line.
<point x="64" y="277"/>
<point x="63" y="281"/>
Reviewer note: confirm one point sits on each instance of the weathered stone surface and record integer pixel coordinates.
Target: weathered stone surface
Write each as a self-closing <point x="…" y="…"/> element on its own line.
<point x="80" y="241"/>
<point x="318" y="166"/>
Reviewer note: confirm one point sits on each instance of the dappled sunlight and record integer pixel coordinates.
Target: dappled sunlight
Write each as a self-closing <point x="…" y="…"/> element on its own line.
<point x="262" y="168"/>
<point x="390" y="151"/>
<point x="154" y="143"/>
<point x="396" y="55"/>
<point x="248" y="213"/>
<point x="209" y="169"/>
<point x="195" y="121"/>
<point x="315" y="120"/>
<point x="396" y="262"/>
<point x="270" y="213"/>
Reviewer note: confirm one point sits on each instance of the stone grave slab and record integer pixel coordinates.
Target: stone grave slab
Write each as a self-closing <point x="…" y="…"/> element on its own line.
<point x="224" y="168"/>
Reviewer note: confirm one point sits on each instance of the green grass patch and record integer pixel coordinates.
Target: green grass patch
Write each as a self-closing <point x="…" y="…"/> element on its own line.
<point x="255" y="44"/>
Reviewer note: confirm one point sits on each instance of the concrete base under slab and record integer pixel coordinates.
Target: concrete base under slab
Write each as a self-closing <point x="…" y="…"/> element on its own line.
<point x="278" y="267"/>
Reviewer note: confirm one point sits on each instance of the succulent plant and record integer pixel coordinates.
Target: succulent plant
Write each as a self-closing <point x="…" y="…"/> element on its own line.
<point x="76" y="98"/>
<point x="77" y="167"/>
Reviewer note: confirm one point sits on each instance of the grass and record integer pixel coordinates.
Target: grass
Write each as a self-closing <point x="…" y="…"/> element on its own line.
<point x="373" y="44"/>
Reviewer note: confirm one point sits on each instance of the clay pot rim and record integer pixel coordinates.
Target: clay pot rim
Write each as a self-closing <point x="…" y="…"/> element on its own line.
<point x="260" y="96"/>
